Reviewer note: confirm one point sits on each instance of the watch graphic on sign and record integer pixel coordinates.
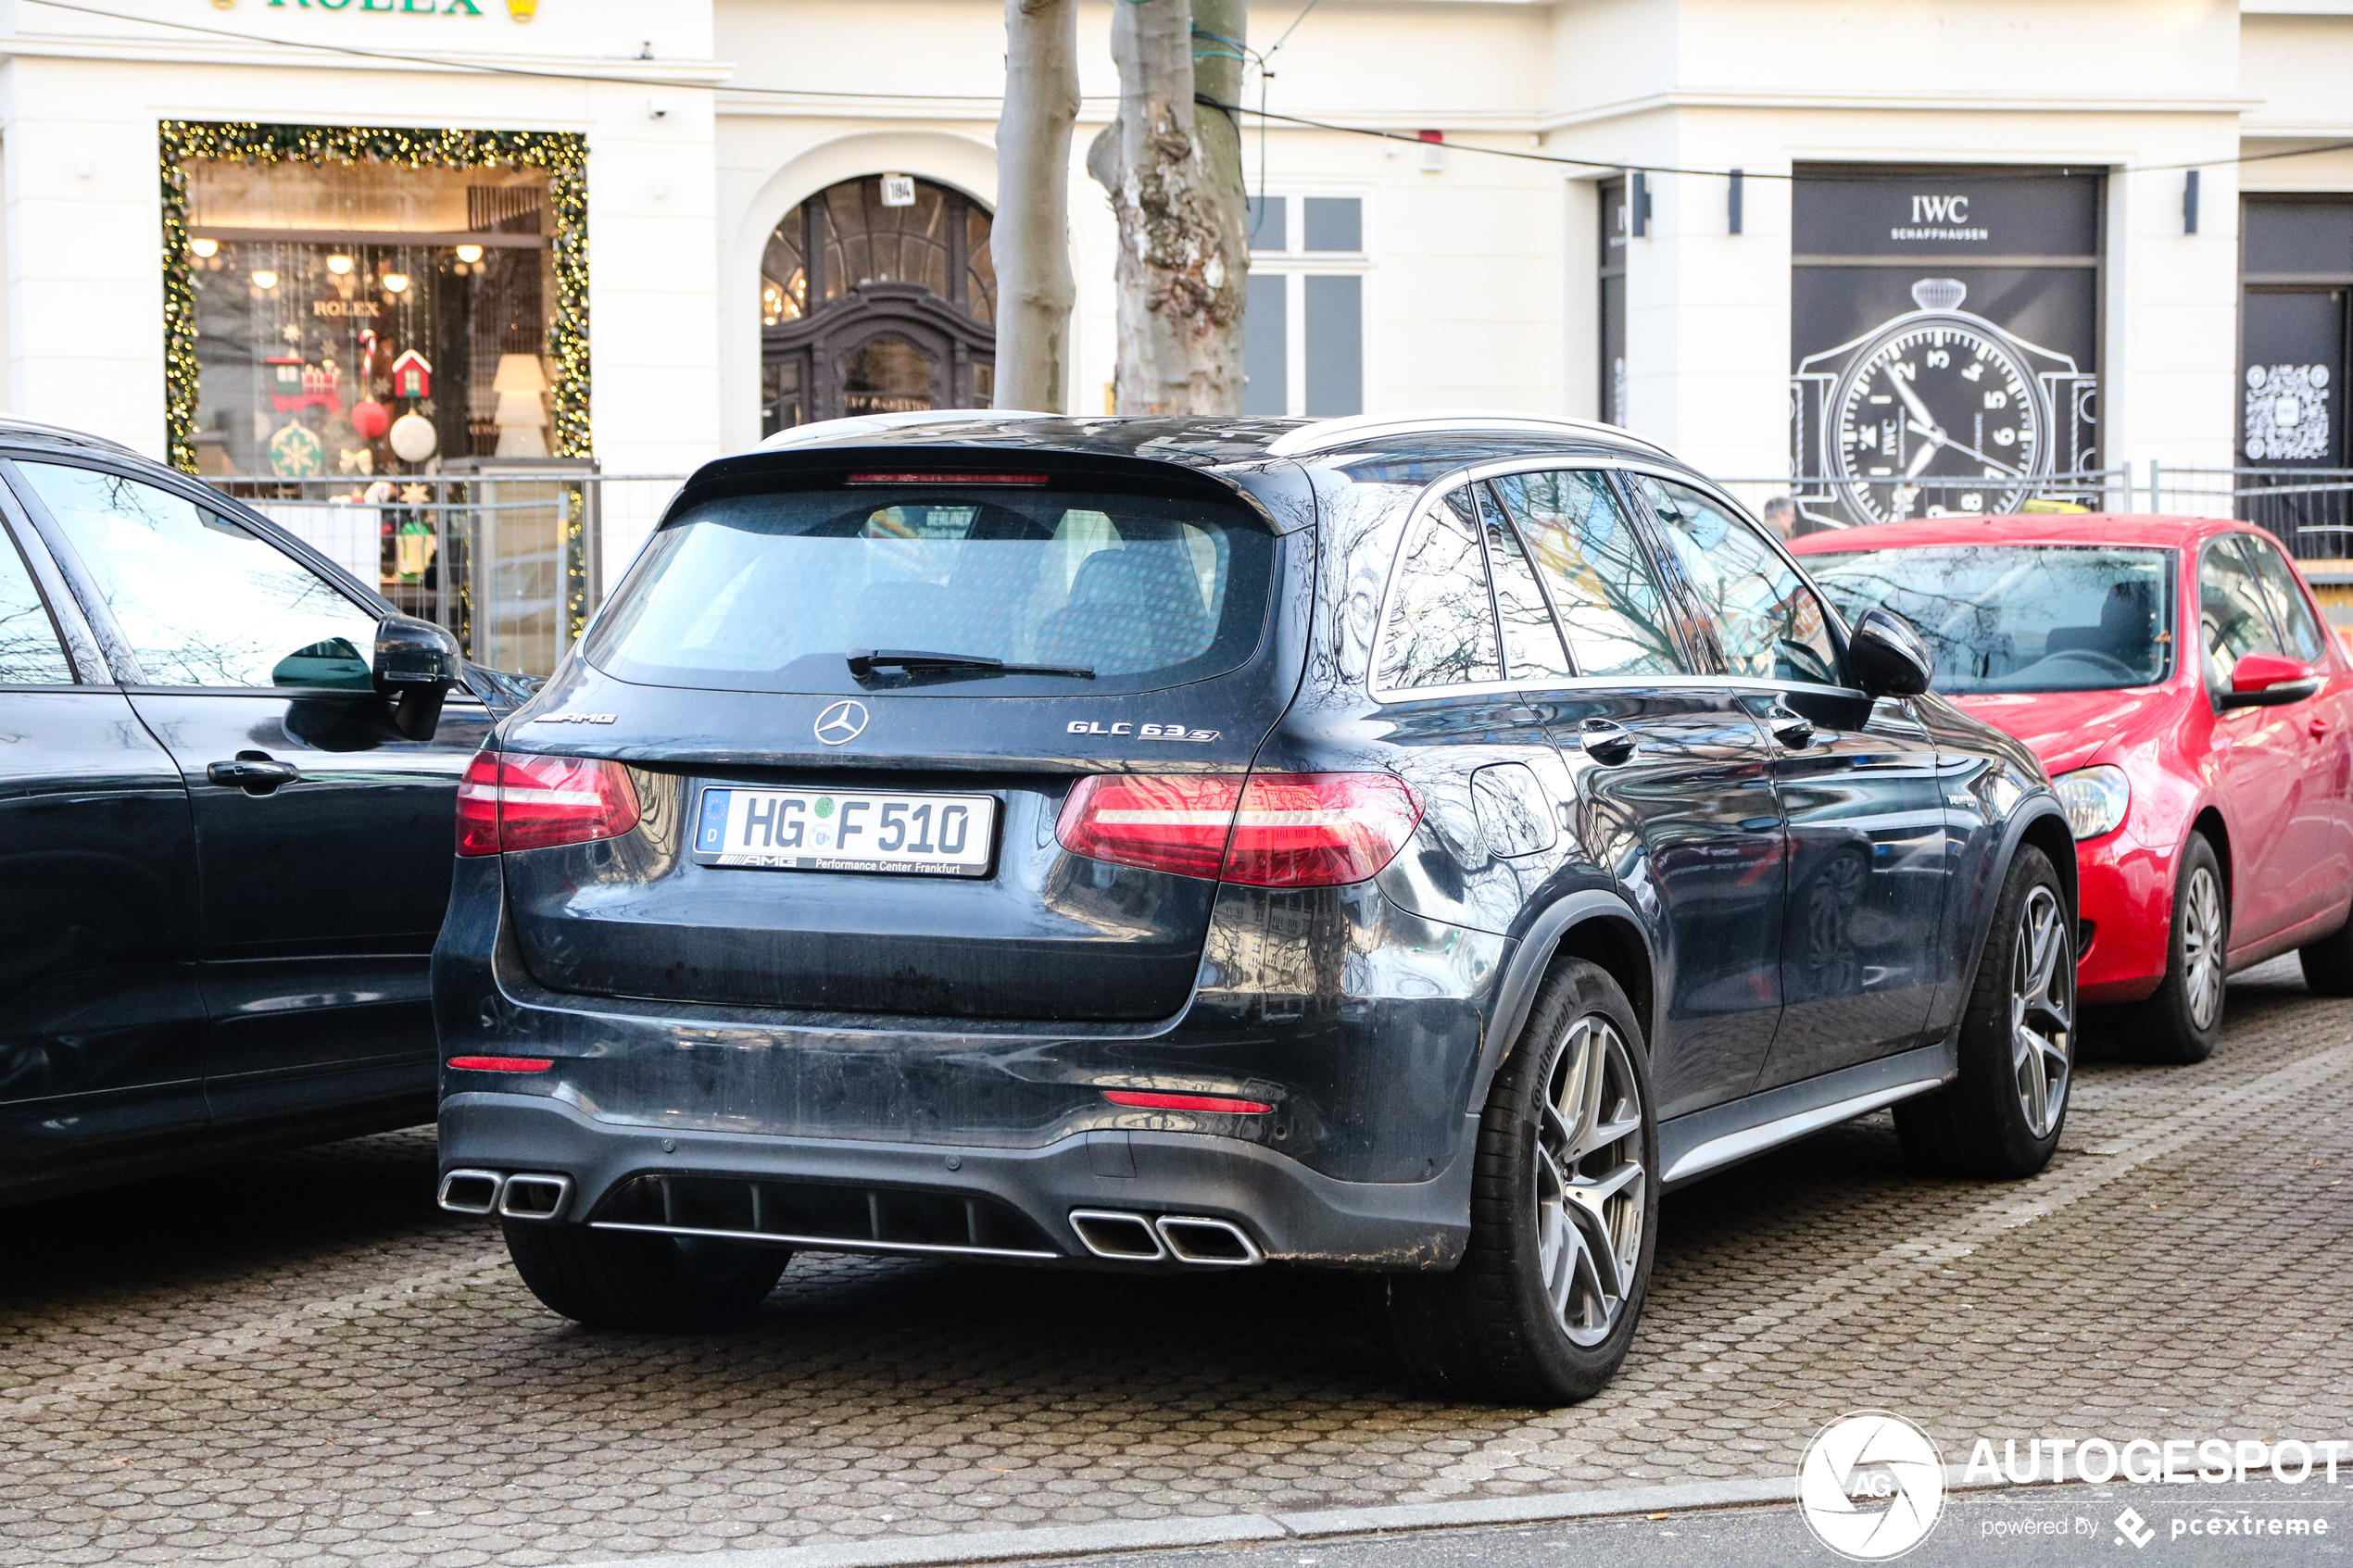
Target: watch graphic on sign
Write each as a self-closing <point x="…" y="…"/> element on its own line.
<point x="1935" y="413"/>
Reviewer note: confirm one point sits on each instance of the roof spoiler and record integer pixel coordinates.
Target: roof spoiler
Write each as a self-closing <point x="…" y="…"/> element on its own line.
<point x="876" y="424"/>
<point x="1324" y="434"/>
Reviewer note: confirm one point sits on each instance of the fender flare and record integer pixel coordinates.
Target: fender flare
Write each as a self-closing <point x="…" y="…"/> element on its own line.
<point x="2040" y="807"/>
<point x="1532" y="958"/>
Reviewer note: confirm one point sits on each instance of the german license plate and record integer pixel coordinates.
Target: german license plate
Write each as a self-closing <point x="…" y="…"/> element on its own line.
<point x="808" y="830"/>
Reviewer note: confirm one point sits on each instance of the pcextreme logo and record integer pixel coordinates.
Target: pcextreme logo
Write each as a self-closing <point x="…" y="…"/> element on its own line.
<point x="1871" y="1485"/>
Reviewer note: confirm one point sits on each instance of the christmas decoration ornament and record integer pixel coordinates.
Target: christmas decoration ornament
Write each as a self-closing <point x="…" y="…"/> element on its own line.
<point x="413" y="438"/>
<point x="296" y="452"/>
<point x="411" y="375"/>
<point x="371" y="419"/>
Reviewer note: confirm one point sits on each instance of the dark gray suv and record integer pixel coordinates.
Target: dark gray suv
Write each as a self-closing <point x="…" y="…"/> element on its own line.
<point x="1402" y="845"/>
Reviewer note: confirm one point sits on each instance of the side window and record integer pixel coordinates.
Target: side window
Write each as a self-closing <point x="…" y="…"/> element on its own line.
<point x="1586" y="551"/>
<point x="1442" y="623"/>
<point x="2232" y="619"/>
<point x="201" y="601"/>
<point x="1769" y="622"/>
<point x="2304" y="633"/>
<point x="1532" y="648"/>
<point x="30" y="652"/>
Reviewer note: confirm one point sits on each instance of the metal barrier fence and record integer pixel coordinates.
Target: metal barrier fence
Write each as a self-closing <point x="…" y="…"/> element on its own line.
<point x="513" y="563"/>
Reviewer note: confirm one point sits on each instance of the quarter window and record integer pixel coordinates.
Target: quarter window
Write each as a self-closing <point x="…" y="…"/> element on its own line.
<point x="1585" y="550"/>
<point x="201" y="601"/>
<point x="1441" y="620"/>
<point x="1767" y="622"/>
<point x="2233" y="620"/>
<point x="2295" y="616"/>
<point x="30" y="652"/>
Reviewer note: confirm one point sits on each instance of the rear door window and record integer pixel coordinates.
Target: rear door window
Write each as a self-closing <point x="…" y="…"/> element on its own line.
<point x="1768" y="623"/>
<point x="1611" y="605"/>
<point x="774" y="592"/>
<point x="1441" y="630"/>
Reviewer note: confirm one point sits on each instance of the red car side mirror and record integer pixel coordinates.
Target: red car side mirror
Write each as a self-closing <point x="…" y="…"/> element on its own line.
<point x="2265" y="680"/>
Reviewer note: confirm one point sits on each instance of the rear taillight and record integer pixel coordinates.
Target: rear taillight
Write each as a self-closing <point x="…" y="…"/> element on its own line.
<point x="506" y="801"/>
<point x="1277" y="830"/>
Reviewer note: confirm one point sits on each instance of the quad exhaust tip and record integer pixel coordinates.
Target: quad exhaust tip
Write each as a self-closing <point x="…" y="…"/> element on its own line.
<point x="1142" y="1238"/>
<point x="529" y="1195"/>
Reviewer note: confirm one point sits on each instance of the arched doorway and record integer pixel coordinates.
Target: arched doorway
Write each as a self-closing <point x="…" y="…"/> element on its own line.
<point x="876" y="295"/>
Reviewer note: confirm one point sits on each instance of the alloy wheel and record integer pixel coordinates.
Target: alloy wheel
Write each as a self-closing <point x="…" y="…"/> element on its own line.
<point x="2042" y="1010"/>
<point x="1589" y="1181"/>
<point x="2202" y="947"/>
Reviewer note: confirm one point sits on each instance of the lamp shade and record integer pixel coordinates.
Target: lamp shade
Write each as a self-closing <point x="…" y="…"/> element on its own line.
<point x="520" y="372"/>
<point x="519" y="409"/>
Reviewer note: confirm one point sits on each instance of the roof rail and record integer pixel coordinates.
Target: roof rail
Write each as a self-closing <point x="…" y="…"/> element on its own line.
<point x="63" y="432"/>
<point x="1324" y="434"/>
<point x="877" y="424"/>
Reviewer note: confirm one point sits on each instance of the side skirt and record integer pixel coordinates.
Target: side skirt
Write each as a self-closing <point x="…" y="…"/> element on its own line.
<point x="1708" y="1140"/>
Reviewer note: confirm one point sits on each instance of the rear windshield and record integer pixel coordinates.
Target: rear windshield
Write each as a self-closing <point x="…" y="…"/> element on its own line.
<point x="773" y="593"/>
<point x="2020" y="618"/>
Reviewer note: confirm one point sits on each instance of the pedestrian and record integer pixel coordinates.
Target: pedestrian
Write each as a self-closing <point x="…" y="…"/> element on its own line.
<point x="1781" y="516"/>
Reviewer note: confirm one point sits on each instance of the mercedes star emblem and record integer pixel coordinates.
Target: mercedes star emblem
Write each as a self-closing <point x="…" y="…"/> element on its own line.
<point x="841" y="724"/>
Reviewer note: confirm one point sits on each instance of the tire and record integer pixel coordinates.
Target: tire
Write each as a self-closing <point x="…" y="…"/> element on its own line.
<point x="1543" y="1305"/>
<point x="2328" y="963"/>
<point x="2182" y="1021"/>
<point x="639" y="1282"/>
<point x="2001" y="1116"/>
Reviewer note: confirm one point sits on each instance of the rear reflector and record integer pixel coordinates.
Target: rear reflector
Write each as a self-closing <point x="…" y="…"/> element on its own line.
<point x="502" y="1063"/>
<point x="1277" y="830"/>
<point x="510" y="801"/>
<point x="1187" y="1102"/>
<point x="949" y="478"/>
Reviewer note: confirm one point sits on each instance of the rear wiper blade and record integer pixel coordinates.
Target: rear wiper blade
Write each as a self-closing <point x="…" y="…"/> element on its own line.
<point x="865" y="662"/>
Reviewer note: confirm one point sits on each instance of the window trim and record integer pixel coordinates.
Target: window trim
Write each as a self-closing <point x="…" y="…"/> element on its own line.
<point x="127" y="672"/>
<point x="1618" y="466"/>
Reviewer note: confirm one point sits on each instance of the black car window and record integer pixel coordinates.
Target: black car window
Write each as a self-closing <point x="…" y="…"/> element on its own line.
<point x="1441" y="620"/>
<point x="2295" y="616"/>
<point x="1769" y="624"/>
<point x="202" y="601"/>
<point x="30" y="652"/>
<point x="1532" y="649"/>
<point x="1608" y="595"/>
<point x="770" y="591"/>
<point x="2234" y="619"/>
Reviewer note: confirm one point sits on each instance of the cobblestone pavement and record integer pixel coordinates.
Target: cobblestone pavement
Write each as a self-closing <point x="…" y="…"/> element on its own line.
<point x="300" y="1358"/>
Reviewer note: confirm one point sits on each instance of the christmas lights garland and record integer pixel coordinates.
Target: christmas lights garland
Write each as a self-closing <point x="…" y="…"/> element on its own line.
<point x="563" y="154"/>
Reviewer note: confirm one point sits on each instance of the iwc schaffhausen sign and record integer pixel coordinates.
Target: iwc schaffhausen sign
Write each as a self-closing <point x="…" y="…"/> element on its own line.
<point x="1938" y="411"/>
<point x="1943" y="339"/>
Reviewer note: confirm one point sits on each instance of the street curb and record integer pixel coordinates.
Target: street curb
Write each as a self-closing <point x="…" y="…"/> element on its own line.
<point x="1145" y="1534"/>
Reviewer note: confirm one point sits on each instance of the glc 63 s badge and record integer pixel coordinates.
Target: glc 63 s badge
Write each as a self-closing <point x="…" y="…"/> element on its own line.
<point x="1143" y="732"/>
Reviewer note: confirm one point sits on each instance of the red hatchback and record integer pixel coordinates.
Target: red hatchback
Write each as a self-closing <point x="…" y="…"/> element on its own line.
<point x="2211" y="796"/>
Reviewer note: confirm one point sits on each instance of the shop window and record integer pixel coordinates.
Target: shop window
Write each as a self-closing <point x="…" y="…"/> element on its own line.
<point x="368" y="319"/>
<point x="1303" y="329"/>
<point x="876" y="295"/>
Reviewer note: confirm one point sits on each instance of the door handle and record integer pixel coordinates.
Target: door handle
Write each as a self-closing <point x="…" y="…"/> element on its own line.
<point x="1794" y="731"/>
<point x="255" y="772"/>
<point x="1604" y="742"/>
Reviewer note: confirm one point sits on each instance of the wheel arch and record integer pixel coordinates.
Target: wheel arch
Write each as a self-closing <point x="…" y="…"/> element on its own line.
<point x="1597" y="926"/>
<point x="2208" y="824"/>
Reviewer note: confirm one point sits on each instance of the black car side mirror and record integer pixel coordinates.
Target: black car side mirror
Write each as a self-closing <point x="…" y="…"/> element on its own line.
<point x="416" y="664"/>
<point x="1888" y="656"/>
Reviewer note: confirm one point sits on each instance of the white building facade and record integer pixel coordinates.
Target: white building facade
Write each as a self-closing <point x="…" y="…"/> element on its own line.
<point x="645" y="233"/>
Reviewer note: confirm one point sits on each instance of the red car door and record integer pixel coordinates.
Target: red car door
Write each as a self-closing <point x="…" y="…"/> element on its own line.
<point x="2259" y="757"/>
<point x="2322" y="821"/>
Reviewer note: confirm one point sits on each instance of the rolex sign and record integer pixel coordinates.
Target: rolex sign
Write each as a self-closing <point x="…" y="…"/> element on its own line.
<point x="1943" y="341"/>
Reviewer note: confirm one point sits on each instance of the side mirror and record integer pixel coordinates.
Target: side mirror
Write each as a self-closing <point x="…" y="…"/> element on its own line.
<point x="2265" y="680"/>
<point x="1887" y="657"/>
<point x="416" y="664"/>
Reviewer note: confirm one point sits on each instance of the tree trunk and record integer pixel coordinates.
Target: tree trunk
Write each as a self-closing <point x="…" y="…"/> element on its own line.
<point x="1030" y="238"/>
<point x="1184" y="257"/>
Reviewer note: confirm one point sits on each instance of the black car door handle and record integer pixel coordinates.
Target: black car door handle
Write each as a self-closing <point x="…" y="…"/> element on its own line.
<point x="254" y="771"/>
<point x="1604" y="742"/>
<point x="1793" y="730"/>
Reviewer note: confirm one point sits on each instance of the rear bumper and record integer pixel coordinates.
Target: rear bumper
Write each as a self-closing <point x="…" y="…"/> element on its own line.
<point x="1291" y="1212"/>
